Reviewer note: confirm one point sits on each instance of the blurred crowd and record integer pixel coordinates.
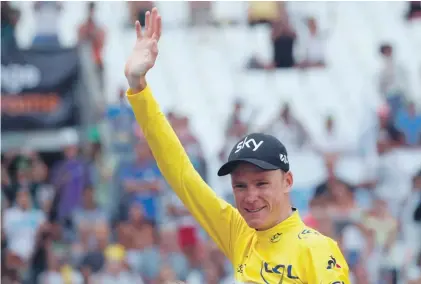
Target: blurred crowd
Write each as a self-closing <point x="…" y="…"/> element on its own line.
<point x="97" y="216"/>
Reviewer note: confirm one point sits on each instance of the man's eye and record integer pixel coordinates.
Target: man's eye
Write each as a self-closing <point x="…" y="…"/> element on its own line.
<point x="260" y="184"/>
<point x="239" y="186"/>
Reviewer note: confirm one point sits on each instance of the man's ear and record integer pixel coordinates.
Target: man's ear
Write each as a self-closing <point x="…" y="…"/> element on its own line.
<point x="289" y="181"/>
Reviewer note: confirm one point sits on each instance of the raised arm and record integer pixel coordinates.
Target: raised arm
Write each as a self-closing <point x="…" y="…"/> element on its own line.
<point x="222" y="222"/>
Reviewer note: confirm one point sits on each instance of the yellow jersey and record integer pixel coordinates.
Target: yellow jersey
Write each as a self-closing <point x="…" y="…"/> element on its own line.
<point x="290" y="252"/>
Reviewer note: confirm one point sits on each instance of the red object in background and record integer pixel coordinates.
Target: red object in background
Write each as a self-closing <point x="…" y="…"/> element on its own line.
<point x="187" y="236"/>
<point x="310" y="221"/>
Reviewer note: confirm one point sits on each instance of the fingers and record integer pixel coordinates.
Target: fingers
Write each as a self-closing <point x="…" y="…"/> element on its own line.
<point x="157" y="28"/>
<point x="153" y="24"/>
<point x="148" y="24"/>
<point x="138" y="30"/>
<point x="157" y="24"/>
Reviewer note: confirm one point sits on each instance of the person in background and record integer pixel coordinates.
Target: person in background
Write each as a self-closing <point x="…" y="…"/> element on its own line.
<point x="392" y="80"/>
<point x="90" y="32"/>
<point x="102" y="167"/>
<point x="283" y="41"/>
<point x="91" y="259"/>
<point x="115" y="269"/>
<point x="21" y="223"/>
<point x="47" y="16"/>
<point x="120" y="121"/>
<point x="191" y="144"/>
<point x="388" y="136"/>
<point x="313" y="47"/>
<point x="287" y="127"/>
<point x="9" y="19"/>
<point x="332" y="143"/>
<point x="414" y="10"/>
<point x="141" y="182"/>
<point x="86" y="215"/>
<point x="383" y="228"/>
<point x="70" y="177"/>
<point x="413" y="274"/>
<point x="58" y="271"/>
<point x="409" y="122"/>
<point x="410" y="219"/>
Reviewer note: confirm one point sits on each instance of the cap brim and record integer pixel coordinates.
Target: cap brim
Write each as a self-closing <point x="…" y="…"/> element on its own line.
<point x="228" y="167"/>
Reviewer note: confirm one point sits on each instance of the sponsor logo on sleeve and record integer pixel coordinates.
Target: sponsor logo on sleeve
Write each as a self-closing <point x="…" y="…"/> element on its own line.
<point x="332" y="263"/>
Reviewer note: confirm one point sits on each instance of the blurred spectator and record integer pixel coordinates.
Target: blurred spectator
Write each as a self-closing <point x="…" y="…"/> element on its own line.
<point x="414" y="10"/>
<point x="288" y="129"/>
<point x="392" y="79"/>
<point x="70" y="177"/>
<point x="21" y="223"/>
<point x="115" y="269"/>
<point x="384" y="227"/>
<point x="94" y="35"/>
<point x="9" y="18"/>
<point x="332" y="142"/>
<point x="388" y="136"/>
<point x="121" y="121"/>
<point x="59" y="272"/>
<point x="47" y="15"/>
<point x="313" y="47"/>
<point x="88" y="213"/>
<point x="356" y="248"/>
<point x="137" y="10"/>
<point x="410" y="216"/>
<point x="238" y="116"/>
<point x="166" y="275"/>
<point x="414" y="272"/>
<point x="140" y="181"/>
<point x="102" y="168"/>
<point x="200" y="13"/>
<point x="88" y="253"/>
<point x="264" y="12"/>
<point x="409" y="122"/>
<point x="190" y="143"/>
<point x="237" y="127"/>
<point x="283" y="40"/>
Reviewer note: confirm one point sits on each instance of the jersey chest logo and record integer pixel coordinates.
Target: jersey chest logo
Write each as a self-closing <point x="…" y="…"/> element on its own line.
<point x="277" y="273"/>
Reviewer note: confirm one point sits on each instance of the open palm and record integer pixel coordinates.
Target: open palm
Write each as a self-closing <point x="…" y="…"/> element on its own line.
<point x="145" y="50"/>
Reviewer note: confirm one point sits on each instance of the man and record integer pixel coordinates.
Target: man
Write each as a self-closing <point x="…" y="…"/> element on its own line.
<point x="265" y="239"/>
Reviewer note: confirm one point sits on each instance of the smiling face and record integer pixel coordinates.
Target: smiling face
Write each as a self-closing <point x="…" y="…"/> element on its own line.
<point x="261" y="196"/>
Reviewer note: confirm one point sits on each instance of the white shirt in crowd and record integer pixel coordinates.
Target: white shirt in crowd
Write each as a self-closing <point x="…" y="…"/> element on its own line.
<point x="392" y="78"/>
<point x="21" y="227"/>
<point x="290" y="134"/>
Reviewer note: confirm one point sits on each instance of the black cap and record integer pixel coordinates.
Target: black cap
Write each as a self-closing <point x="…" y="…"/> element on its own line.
<point x="262" y="150"/>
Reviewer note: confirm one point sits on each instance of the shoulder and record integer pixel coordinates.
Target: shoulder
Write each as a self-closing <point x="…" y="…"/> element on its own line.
<point x="310" y="238"/>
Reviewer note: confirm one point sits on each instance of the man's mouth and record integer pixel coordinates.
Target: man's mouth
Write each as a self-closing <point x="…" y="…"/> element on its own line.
<point x="249" y="210"/>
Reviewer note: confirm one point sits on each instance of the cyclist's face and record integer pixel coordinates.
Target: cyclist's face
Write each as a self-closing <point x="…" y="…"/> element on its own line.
<point x="261" y="196"/>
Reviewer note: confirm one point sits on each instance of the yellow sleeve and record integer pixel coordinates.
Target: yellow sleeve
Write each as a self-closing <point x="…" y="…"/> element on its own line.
<point x="325" y="264"/>
<point x="220" y="220"/>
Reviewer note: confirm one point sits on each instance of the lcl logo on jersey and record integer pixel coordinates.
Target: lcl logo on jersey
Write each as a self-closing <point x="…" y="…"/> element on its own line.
<point x="275" y="238"/>
<point x="268" y="271"/>
<point x="250" y="143"/>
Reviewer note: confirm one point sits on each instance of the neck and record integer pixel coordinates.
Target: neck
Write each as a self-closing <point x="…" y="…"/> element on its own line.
<point x="285" y="214"/>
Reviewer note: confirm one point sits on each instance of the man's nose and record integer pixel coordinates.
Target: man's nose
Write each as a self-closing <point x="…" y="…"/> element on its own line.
<point x="252" y="196"/>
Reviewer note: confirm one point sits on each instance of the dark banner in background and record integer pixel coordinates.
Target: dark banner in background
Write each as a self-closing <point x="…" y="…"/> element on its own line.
<point x="39" y="89"/>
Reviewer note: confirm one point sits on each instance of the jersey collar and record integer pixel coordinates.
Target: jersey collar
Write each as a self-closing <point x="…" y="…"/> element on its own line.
<point x="274" y="234"/>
